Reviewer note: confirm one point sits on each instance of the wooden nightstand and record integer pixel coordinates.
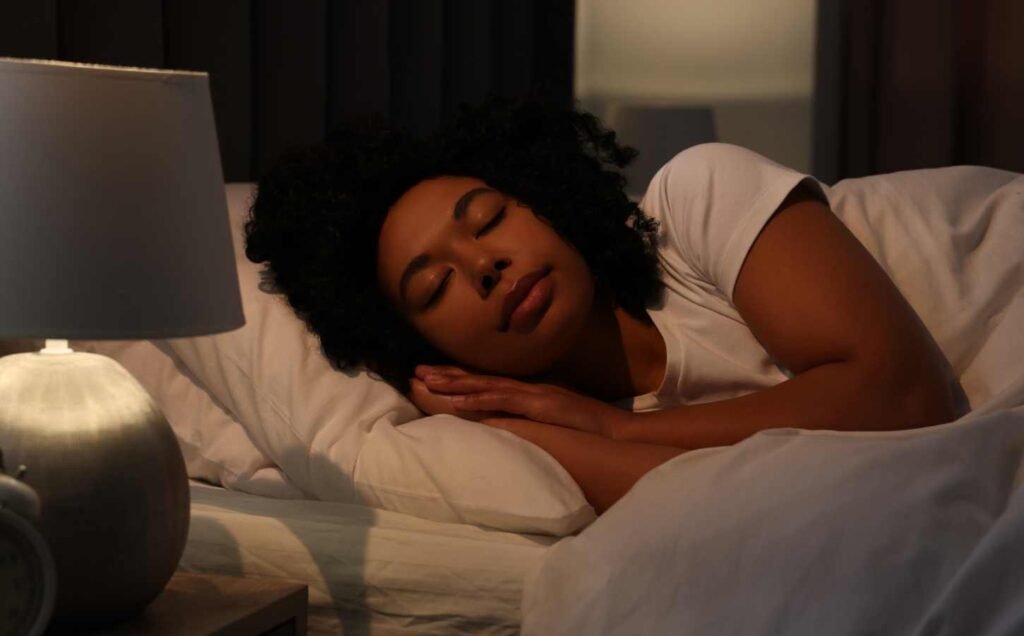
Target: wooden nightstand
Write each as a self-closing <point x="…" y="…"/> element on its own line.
<point x="199" y="604"/>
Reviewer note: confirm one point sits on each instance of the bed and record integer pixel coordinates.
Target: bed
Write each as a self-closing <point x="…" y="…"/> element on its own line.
<point x="368" y="571"/>
<point x="404" y="524"/>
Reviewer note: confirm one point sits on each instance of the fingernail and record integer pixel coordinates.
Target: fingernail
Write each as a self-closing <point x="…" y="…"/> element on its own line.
<point x="458" y="400"/>
<point x="433" y="377"/>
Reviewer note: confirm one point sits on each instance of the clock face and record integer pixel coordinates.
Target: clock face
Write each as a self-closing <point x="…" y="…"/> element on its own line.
<point x="27" y="577"/>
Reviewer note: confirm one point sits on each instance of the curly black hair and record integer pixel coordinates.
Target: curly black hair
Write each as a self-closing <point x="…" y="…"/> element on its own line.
<point x="317" y="215"/>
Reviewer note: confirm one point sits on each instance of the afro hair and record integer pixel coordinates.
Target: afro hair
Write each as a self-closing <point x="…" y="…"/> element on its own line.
<point x="318" y="212"/>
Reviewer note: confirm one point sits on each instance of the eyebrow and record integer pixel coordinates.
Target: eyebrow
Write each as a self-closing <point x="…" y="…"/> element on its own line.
<point x="421" y="260"/>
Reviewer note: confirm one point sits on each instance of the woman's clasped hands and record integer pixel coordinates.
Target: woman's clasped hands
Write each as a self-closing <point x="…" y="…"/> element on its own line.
<point x="497" y="400"/>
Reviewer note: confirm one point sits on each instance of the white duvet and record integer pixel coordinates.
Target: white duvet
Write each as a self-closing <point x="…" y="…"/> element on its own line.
<point x="801" y="533"/>
<point x="810" y="533"/>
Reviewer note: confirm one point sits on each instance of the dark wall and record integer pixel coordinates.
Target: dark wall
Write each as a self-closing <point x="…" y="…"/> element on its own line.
<point x="283" y="73"/>
<point x="905" y="84"/>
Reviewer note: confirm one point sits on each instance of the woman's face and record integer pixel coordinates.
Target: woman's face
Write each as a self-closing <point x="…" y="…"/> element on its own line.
<point x="481" y="277"/>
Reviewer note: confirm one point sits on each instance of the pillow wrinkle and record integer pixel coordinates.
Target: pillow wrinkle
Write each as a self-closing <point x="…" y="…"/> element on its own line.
<point x="266" y="398"/>
<point x="215" y="447"/>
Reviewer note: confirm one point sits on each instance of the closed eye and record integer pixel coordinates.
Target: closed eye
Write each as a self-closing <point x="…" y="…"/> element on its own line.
<point x="492" y="223"/>
<point x="436" y="296"/>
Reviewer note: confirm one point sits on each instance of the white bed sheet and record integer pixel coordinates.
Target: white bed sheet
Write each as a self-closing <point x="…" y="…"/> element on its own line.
<point x="369" y="571"/>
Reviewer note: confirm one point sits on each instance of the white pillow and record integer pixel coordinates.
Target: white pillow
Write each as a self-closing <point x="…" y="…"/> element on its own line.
<point x="336" y="435"/>
<point x="216" y="448"/>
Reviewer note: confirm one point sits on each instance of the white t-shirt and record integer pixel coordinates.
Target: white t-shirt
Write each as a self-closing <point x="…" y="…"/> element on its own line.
<point x="713" y="200"/>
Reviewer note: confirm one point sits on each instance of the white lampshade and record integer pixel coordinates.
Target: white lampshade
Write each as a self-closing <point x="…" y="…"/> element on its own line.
<point x="113" y="225"/>
<point x="112" y="208"/>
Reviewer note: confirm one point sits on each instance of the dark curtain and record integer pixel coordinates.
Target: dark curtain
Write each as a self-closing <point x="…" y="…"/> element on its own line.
<point x="905" y="84"/>
<point x="284" y="73"/>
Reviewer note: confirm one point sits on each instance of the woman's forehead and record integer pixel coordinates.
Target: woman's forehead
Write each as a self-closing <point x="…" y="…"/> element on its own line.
<point x="423" y="205"/>
<point x="435" y="194"/>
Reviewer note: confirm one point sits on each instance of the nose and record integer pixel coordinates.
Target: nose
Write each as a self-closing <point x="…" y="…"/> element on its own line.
<point x="489" y="273"/>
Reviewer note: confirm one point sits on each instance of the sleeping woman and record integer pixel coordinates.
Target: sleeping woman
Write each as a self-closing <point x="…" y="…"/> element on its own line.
<point x="498" y="272"/>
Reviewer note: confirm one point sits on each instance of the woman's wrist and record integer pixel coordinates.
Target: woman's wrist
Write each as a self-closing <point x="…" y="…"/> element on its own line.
<point x="666" y="427"/>
<point x="620" y="424"/>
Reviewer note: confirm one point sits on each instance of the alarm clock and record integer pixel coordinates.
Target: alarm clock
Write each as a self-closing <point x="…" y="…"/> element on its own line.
<point x="28" y="578"/>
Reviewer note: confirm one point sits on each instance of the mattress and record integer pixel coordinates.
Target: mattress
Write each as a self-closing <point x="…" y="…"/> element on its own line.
<point x="368" y="571"/>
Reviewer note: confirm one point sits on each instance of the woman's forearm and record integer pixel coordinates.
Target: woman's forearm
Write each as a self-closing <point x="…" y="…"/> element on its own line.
<point x="834" y="396"/>
<point x="605" y="469"/>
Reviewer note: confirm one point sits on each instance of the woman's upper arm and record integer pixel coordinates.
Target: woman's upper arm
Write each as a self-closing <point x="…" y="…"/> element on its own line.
<point x="812" y="294"/>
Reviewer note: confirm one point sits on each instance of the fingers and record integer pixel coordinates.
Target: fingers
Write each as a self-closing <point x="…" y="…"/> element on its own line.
<point x="423" y="370"/>
<point x="433" y="403"/>
<point x="551" y="409"/>
<point x="426" y="401"/>
<point x="495" y="402"/>
<point x="463" y="384"/>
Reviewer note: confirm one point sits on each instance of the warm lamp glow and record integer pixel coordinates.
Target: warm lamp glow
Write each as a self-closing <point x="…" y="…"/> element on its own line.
<point x="115" y="221"/>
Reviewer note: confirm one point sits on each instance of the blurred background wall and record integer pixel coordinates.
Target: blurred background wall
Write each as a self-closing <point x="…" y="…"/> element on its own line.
<point x="840" y="88"/>
<point x="904" y="84"/>
<point x="285" y="72"/>
<point x="751" y="64"/>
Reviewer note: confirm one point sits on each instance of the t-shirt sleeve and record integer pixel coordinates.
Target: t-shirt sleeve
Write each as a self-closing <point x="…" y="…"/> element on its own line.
<point x="712" y="201"/>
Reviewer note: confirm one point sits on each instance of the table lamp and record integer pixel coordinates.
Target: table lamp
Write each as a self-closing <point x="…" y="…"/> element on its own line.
<point x="113" y="225"/>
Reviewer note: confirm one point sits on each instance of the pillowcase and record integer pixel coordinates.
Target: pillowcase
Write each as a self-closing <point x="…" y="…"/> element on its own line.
<point x="216" y="448"/>
<point x="337" y="435"/>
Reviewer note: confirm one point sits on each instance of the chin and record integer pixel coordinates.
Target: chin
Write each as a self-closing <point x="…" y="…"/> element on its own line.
<point x="526" y="358"/>
<point x="548" y="343"/>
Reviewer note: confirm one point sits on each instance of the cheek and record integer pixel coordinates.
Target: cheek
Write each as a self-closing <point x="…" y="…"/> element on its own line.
<point x="455" y="326"/>
<point x="468" y="338"/>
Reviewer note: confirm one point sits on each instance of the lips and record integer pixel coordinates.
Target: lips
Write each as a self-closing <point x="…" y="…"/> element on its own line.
<point x="519" y="291"/>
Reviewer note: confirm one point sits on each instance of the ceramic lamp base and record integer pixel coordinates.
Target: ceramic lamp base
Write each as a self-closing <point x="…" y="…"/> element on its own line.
<point x="109" y="474"/>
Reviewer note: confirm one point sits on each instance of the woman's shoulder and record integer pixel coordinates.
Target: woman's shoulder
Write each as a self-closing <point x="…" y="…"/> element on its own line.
<point x="711" y="201"/>
<point x="704" y="160"/>
<point x="698" y="171"/>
